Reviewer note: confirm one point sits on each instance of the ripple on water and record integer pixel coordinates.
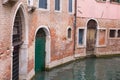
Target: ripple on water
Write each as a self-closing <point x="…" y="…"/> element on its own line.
<point x="87" y="69"/>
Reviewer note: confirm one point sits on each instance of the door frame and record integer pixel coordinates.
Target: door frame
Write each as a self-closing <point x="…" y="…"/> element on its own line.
<point x="23" y="58"/>
<point x="47" y="45"/>
<point x="96" y="43"/>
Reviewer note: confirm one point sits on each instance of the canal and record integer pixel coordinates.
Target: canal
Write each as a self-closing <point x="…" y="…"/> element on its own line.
<point x="86" y="69"/>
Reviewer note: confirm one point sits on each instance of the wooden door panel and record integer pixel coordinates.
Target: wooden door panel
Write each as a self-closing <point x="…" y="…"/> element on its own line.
<point x="40" y="54"/>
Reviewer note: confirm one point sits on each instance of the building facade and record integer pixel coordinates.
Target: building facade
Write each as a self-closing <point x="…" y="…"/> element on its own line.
<point x="42" y="34"/>
<point x="35" y="35"/>
<point x="98" y="27"/>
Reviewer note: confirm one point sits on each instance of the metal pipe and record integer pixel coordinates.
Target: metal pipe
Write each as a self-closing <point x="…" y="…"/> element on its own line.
<point x="75" y="19"/>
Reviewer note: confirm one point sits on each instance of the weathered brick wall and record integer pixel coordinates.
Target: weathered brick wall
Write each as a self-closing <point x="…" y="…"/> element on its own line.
<point x="6" y="25"/>
<point x="57" y="22"/>
<point x="112" y="46"/>
<point x="5" y="48"/>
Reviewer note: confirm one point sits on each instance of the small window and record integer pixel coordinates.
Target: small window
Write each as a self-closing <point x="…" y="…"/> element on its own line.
<point x="43" y="4"/>
<point x="69" y="33"/>
<point x="30" y="2"/>
<point x="70" y="6"/>
<point x="100" y="0"/>
<point x="118" y="33"/>
<point x="102" y="37"/>
<point x="81" y="36"/>
<point x="57" y="5"/>
<point x="115" y="1"/>
<point x="112" y="33"/>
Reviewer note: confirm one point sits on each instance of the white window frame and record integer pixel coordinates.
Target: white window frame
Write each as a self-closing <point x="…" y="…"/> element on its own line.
<point x="70" y="39"/>
<point x="60" y="6"/>
<point x="48" y="6"/>
<point x="73" y="7"/>
<point x="84" y="38"/>
<point x="98" y="33"/>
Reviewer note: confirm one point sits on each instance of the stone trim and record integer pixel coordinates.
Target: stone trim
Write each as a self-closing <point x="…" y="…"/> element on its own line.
<point x="60" y="62"/>
<point x="24" y="46"/>
<point x="48" y="44"/>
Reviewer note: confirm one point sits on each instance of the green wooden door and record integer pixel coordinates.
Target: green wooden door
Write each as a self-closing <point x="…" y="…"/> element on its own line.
<point x="40" y="54"/>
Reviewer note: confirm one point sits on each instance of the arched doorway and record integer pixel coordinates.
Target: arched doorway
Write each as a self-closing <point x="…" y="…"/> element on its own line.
<point x="40" y="52"/>
<point x="91" y="37"/>
<point x="16" y="42"/>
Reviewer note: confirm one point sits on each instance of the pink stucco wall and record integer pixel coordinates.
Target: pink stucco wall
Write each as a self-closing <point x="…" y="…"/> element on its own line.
<point x="94" y="9"/>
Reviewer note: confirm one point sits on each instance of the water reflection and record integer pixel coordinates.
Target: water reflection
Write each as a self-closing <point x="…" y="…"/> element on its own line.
<point x="87" y="69"/>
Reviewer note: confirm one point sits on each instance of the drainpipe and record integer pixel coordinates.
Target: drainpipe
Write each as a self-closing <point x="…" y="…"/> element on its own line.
<point x="75" y="17"/>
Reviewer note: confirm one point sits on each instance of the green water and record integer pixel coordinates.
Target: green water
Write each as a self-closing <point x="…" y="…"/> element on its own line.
<point x="87" y="69"/>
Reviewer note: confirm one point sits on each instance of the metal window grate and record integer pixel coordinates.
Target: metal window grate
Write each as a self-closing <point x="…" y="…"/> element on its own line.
<point x="15" y="69"/>
<point x="17" y="29"/>
<point x="17" y="41"/>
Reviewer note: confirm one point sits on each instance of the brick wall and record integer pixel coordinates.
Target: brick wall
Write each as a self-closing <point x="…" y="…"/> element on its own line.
<point x="6" y="25"/>
<point x="111" y="45"/>
<point x="5" y="48"/>
<point x="57" y="22"/>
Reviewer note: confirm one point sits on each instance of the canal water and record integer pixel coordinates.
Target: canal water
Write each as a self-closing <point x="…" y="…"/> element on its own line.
<point x="87" y="69"/>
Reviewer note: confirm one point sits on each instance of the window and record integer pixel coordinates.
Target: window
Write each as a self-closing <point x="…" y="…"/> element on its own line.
<point x="81" y="36"/>
<point x="57" y="5"/>
<point x="118" y="34"/>
<point x="102" y="33"/>
<point x="112" y="33"/>
<point x="70" y="6"/>
<point x="115" y="1"/>
<point x="30" y="2"/>
<point x="100" y="0"/>
<point x="69" y="33"/>
<point x="43" y="4"/>
<point x="17" y="29"/>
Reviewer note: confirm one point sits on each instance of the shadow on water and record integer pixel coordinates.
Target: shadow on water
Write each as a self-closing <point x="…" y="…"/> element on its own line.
<point x="87" y="69"/>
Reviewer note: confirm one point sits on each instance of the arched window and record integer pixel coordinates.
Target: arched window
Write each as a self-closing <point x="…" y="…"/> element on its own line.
<point x="17" y="29"/>
<point x="69" y="33"/>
